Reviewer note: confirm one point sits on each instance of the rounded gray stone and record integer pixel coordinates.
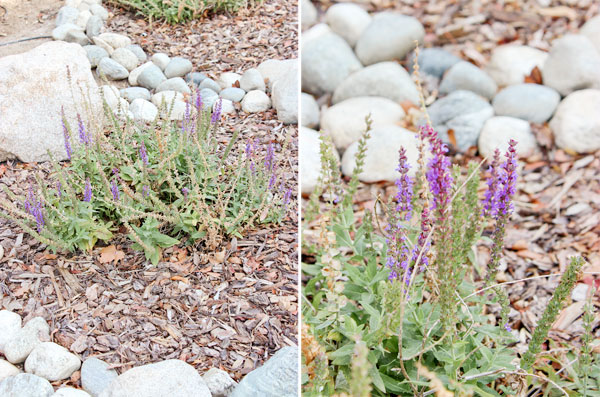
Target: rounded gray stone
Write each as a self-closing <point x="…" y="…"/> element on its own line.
<point x="52" y="362"/>
<point x="95" y="376"/>
<point x="111" y="69"/>
<point x="143" y="110"/>
<point x="77" y="36"/>
<point x="348" y="20"/>
<point x="174" y="84"/>
<point x="532" y="102"/>
<point x="498" y="131"/>
<point x="95" y="54"/>
<point x="591" y="30"/>
<point x="161" y="60"/>
<point x="209" y="97"/>
<point x="510" y="63"/>
<point x="151" y="77"/>
<point x="126" y="58"/>
<point x="97" y="9"/>
<point x="29" y="385"/>
<point x="210" y="83"/>
<point x="234" y="94"/>
<point x="178" y="67"/>
<point x="278" y="377"/>
<point x="7" y="370"/>
<point x="310" y="111"/>
<point x="284" y="96"/>
<point x="115" y="40"/>
<point x="576" y="123"/>
<point x="434" y="61"/>
<point x="195" y="78"/>
<point x="135" y="73"/>
<point x="133" y="93"/>
<point x="93" y="26"/>
<point x="70" y="392"/>
<point x="310" y="159"/>
<point x="389" y="36"/>
<point x="60" y="32"/>
<point x="219" y="382"/>
<point x="252" y="80"/>
<point x="466" y="76"/>
<point x="309" y="14"/>
<point x="138" y="51"/>
<point x="67" y="14"/>
<point x="10" y="325"/>
<point x="83" y="19"/>
<point x="256" y="101"/>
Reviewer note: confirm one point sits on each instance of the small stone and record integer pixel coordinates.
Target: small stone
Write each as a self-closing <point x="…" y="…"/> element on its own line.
<point x="135" y="73"/>
<point x="195" y="78"/>
<point x="22" y="385"/>
<point x="161" y="60"/>
<point x="60" y="32"/>
<point x="93" y="26"/>
<point x="226" y="106"/>
<point x="272" y="69"/>
<point x="167" y="97"/>
<point x="591" y="30"/>
<point x="151" y="77"/>
<point x="345" y="121"/>
<point x="22" y="343"/>
<point x="580" y="292"/>
<point x="70" y="392"/>
<point x="209" y="97"/>
<point x="95" y="375"/>
<point x="67" y="14"/>
<point x="7" y="370"/>
<point x="573" y="64"/>
<point x="101" y="43"/>
<point x="219" y="382"/>
<point x="111" y="69"/>
<point x="211" y="84"/>
<point x="389" y="36"/>
<point x="52" y="362"/>
<point x="434" y="61"/>
<point x="159" y="379"/>
<point x="77" y="36"/>
<point x="385" y="79"/>
<point x="309" y="14"/>
<point x="310" y="111"/>
<point x="83" y="19"/>
<point x="348" y="20"/>
<point x="143" y="110"/>
<point x="97" y="9"/>
<point x="510" y="63"/>
<point x="576" y="123"/>
<point x="95" y="54"/>
<point x="252" y="80"/>
<point x="284" y="96"/>
<point x="115" y="40"/>
<point x="228" y="79"/>
<point x="255" y="101"/>
<point x="531" y="102"/>
<point x="126" y="58"/>
<point x="110" y="94"/>
<point x="10" y="326"/>
<point x="310" y="159"/>
<point x="178" y="67"/>
<point x="498" y="131"/>
<point x="133" y="93"/>
<point x="466" y="76"/>
<point x="174" y="84"/>
<point x="138" y="51"/>
<point x="233" y="94"/>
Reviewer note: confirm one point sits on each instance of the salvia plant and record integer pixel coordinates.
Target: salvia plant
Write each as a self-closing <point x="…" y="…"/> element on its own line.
<point x="405" y="291"/>
<point x="162" y="183"/>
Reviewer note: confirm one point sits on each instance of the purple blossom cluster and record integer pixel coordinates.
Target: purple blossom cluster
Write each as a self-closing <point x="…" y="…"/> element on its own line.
<point x="36" y="209"/>
<point x="143" y="153"/>
<point x="216" y="115"/>
<point x="85" y="138"/>
<point x="145" y="191"/>
<point x="114" y="189"/>
<point x="501" y="183"/>
<point x="185" y="192"/>
<point x="251" y="148"/>
<point x="405" y="187"/>
<point x="438" y="174"/>
<point x="198" y="101"/>
<point x="87" y="193"/>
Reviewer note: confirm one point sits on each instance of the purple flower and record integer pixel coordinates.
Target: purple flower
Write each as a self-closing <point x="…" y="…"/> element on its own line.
<point x="509" y="180"/>
<point x="114" y="189"/>
<point x="185" y="192"/>
<point x="66" y="136"/>
<point x="87" y="194"/>
<point x="115" y="172"/>
<point x="84" y="138"/>
<point x="405" y="187"/>
<point x="217" y="111"/>
<point x="286" y="198"/>
<point x="272" y="180"/>
<point x="36" y="209"/>
<point x="186" y="118"/>
<point x="507" y="327"/>
<point x="490" y="202"/>
<point x="145" y="191"/>
<point x="438" y="175"/>
<point x="269" y="157"/>
<point x="199" y="103"/>
<point x="143" y="153"/>
<point x="58" y="189"/>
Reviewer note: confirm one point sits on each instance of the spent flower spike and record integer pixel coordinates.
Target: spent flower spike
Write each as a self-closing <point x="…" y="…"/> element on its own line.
<point x="66" y="136"/>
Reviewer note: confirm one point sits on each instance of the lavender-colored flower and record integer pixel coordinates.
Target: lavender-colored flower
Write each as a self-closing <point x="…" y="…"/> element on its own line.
<point x="36" y="209"/>
<point x="143" y="153"/>
<point x="509" y="180"/>
<point x="286" y="198"/>
<point x="269" y="164"/>
<point x="185" y="192"/>
<point x="490" y="202"/>
<point x="507" y="327"/>
<point x="84" y="138"/>
<point x="216" y="112"/>
<point x="272" y="180"/>
<point x="87" y="194"/>
<point x="186" y="118"/>
<point x="114" y="189"/>
<point x="58" y="189"/>
<point x="405" y="186"/>
<point x="439" y="177"/>
<point x="199" y="104"/>
<point x="145" y="191"/>
<point x="115" y="172"/>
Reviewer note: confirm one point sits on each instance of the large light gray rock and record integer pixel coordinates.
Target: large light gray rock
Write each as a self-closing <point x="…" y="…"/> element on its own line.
<point x="310" y="159"/>
<point x="573" y="64"/>
<point x="143" y="110"/>
<point x="161" y="60"/>
<point x="23" y="342"/>
<point x="77" y="36"/>
<point x="167" y="97"/>
<point x="284" y="96"/>
<point x="93" y="26"/>
<point x="174" y="84"/>
<point x="52" y="362"/>
<point x="434" y="61"/>
<point x="101" y="43"/>
<point x="138" y="51"/>
<point x="7" y="370"/>
<point x="466" y="76"/>
<point x="209" y="97"/>
<point x="133" y="93"/>
<point x="211" y="84"/>
<point x="178" y="67"/>
<point x="111" y="69"/>
<point x="161" y="379"/>
<point x="25" y="385"/>
<point x="95" y="376"/>
<point x="111" y="95"/>
<point x="309" y="14"/>
<point x="348" y="20"/>
<point x="219" y="382"/>
<point x="310" y="111"/>
<point x="115" y="40"/>
<point x="228" y="79"/>
<point x="100" y="11"/>
<point x="576" y="123"/>
<point x="255" y="101"/>
<point x="150" y="77"/>
<point x="345" y="121"/>
<point x="531" y="102"/>
<point x="591" y="30"/>
<point x="60" y="32"/>
<point x="33" y="88"/>
<point x="126" y="58"/>
<point x="462" y="111"/>
<point x="233" y="94"/>
<point x="498" y="131"/>
<point x="385" y="79"/>
<point x="10" y="326"/>
<point x="381" y="159"/>
<point x="278" y="377"/>
<point x="83" y="18"/>
<point x="389" y="36"/>
<point x="67" y="14"/>
<point x="252" y="80"/>
<point x="95" y="54"/>
<point x="510" y="63"/>
<point x="135" y="73"/>
<point x="326" y="62"/>
<point x="272" y="69"/>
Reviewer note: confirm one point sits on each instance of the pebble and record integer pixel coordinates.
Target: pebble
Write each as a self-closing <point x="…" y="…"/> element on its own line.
<point x="226" y="106"/>
<point x="143" y="110"/>
<point x="70" y="392"/>
<point x="462" y="111"/>
<point x="126" y="58"/>
<point x="209" y="97"/>
<point x="23" y="342"/>
<point x="161" y="60"/>
<point x="211" y="84"/>
<point x="174" y="84"/>
<point x="326" y="62"/>
<point x="93" y="26"/>
<point x="510" y="63"/>
<point x="255" y="101"/>
<point x="195" y="78"/>
<point x="7" y="370"/>
<point x="576" y="123"/>
<point x="228" y="79"/>
<point x="591" y="30"/>
<point x="111" y="95"/>
<point x="101" y="43"/>
<point x="434" y="61"/>
<point x="67" y="14"/>
<point x="347" y="20"/>
<point x="52" y="362"/>
<point x="310" y="111"/>
<point x="111" y="69"/>
<point x="138" y="51"/>
<point x="252" y="80"/>
<point x="135" y="73"/>
<point x="233" y="94"/>
<point x="77" y="36"/>
<point x="498" y="131"/>
<point x="151" y="77"/>
<point x="309" y="14"/>
<point x="382" y="154"/>
<point x="389" y="36"/>
<point x="531" y="102"/>
<point x="115" y="40"/>
<point x="178" y="67"/>
<point x="345" y="121"/>
<point x="466" y="76"/>
<point x="167" y="97"/>
<point x="573" y="64"/>
<point x="60" y="32"/>
<point x="272" y="69"/>
<point x="29" y="385"/>
<point x="83" y="18"/>
<point x="159" y="379"/>
<point x="385" y="79"/>
<point x="219" y="382"/>
<point x="97" y="9"/>
<point x="95" y="375"/>
<point x="310" y="159"/>
<point x="133" y="93"/>
<point x="284" y="96"/>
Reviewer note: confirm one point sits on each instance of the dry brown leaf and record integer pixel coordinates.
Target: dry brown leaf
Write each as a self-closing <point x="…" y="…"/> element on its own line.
<point x="110" y="254"/>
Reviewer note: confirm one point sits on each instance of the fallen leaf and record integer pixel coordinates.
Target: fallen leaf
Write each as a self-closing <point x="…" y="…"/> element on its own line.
<point x="110" y="254"/>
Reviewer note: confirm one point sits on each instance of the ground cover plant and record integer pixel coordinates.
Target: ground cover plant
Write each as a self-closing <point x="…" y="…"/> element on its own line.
<point x="404" y="309"/>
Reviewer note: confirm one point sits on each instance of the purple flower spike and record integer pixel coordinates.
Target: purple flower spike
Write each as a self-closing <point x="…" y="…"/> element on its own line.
<point x="490" y="202"/>
<point x="405" y="187"/>
<point x="87" y="194"/>
<point x="36" y="209"/>
<point x="509" y="180"/>
<point x="269" y="158"/>
<point x="507" y="327"/>
<point x="114" y="189"/>
<point x="145" y="191"/>
<point x="217" y="112"/>
<point x="199" y="103"/>
<point x="58" y="189"/>
<point x="84" y="138"/>
<point x="143" y="153"/>
<point x="439" y="177"/>
<point x="185" y="192"/>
